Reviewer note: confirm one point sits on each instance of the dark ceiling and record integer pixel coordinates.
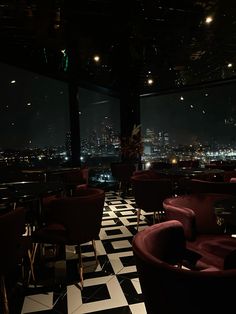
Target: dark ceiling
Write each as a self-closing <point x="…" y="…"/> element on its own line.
<point x="167" y="41"/>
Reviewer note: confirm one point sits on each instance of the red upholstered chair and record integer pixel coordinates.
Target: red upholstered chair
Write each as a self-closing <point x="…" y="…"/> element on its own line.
<point x="149" y="193"/>
<point x="73" y="221"/>
<point x="227" y="175"/>
<point x="203" y="234"/>
<point x="166" y="288"/>
<point x="75" y="179"/>
<point x="122" y="172"/>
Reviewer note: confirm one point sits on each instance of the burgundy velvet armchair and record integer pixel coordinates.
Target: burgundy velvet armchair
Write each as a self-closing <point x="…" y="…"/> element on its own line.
<point x="72" y="220"/>
<point x="205" y="237"/>
<point x="122" y="172"/>
<point x="149" y="193"/>
<point x="167" y="287"/>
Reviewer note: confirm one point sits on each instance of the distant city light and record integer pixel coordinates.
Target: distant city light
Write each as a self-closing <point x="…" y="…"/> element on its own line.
<point x="181" y="98"/>
<point x="208" y="19"/>
<point x="229" y="65"/>
<point x="147" y="165"/>
<point x="174" y="161"/>
<point x="13" y="82"/>
<point x="66" y="158"/>
<point x="29" y="104"/>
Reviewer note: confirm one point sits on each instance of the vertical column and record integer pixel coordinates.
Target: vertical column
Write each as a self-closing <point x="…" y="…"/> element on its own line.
<point x="74" y="122"/>
<point x="129" y="111"/>
<point x="73" y="75"/>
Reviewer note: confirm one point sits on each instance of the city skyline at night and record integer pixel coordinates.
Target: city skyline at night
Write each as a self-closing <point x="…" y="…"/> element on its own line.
<point x="34" y="113"/>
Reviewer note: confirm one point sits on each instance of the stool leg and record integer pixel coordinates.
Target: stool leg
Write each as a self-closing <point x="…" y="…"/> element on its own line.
<point x="138" y="217"/>
<point x="4" y="296"/>
<point x="80" y="267"/>
<point x="95" y="251"/>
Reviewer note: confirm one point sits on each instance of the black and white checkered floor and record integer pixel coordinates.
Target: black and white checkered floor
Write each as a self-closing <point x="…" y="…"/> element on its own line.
<point x="110" y="287"/>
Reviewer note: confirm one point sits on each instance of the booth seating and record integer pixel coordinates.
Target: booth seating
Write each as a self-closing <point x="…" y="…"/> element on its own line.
<point x="167" y="286"/>
<point x="205" y="236"/>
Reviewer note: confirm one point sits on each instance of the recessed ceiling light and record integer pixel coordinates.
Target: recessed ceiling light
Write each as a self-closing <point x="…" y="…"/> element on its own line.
<point x="150" y="81"/>
<point x="96" y="58"/>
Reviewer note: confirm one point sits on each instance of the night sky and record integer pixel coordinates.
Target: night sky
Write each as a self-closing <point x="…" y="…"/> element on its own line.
<point x="33" y="109"/>
<point x="206" y="115"/>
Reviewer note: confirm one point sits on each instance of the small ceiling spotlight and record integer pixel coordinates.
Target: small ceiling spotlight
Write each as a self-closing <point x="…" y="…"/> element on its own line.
<point x="150" y="81"/>
<point x="96" y="58"/>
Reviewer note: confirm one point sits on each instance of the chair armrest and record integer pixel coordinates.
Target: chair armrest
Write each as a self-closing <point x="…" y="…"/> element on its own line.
<point x="186" y="216"/>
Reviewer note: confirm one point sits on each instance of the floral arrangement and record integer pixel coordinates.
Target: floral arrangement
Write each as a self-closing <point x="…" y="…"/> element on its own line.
<point x="132" y="147"/>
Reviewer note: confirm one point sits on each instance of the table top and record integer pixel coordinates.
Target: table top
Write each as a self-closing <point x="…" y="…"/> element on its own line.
<point x="13" y="191"/>
<point x="189" y="171"/>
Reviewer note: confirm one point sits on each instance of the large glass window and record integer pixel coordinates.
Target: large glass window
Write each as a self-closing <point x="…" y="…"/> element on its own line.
<point x="199" y="124"/>
<point x="100" y="130"/>
<point x="34" y="119"/>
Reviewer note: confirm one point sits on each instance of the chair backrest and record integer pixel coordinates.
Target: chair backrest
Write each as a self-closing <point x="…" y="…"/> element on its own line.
<point x="12" y="226"/>
<point x="168" y="289"/>
<point x="149" y="193"/>
<point x="81" y="214"/>
<point x="202" y="186"/>
<point x="199" y="209"/>
<point x="150" y="173"/>
<point x="228" y="175"/>
<point x="122" y="171"/>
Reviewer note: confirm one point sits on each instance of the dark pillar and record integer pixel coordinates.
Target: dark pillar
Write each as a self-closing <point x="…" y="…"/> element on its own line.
<point x="74" y="122"/>
<point x="73" y="79"/>
<point x="126" y="71"/>
<point x="129" y="111"/>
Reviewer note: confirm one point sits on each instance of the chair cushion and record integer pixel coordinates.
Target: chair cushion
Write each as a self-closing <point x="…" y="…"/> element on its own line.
<point x="213" y="250"/>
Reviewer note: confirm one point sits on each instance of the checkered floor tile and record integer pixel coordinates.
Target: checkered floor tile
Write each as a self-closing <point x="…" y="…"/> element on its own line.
<point x="110" y="287"/>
